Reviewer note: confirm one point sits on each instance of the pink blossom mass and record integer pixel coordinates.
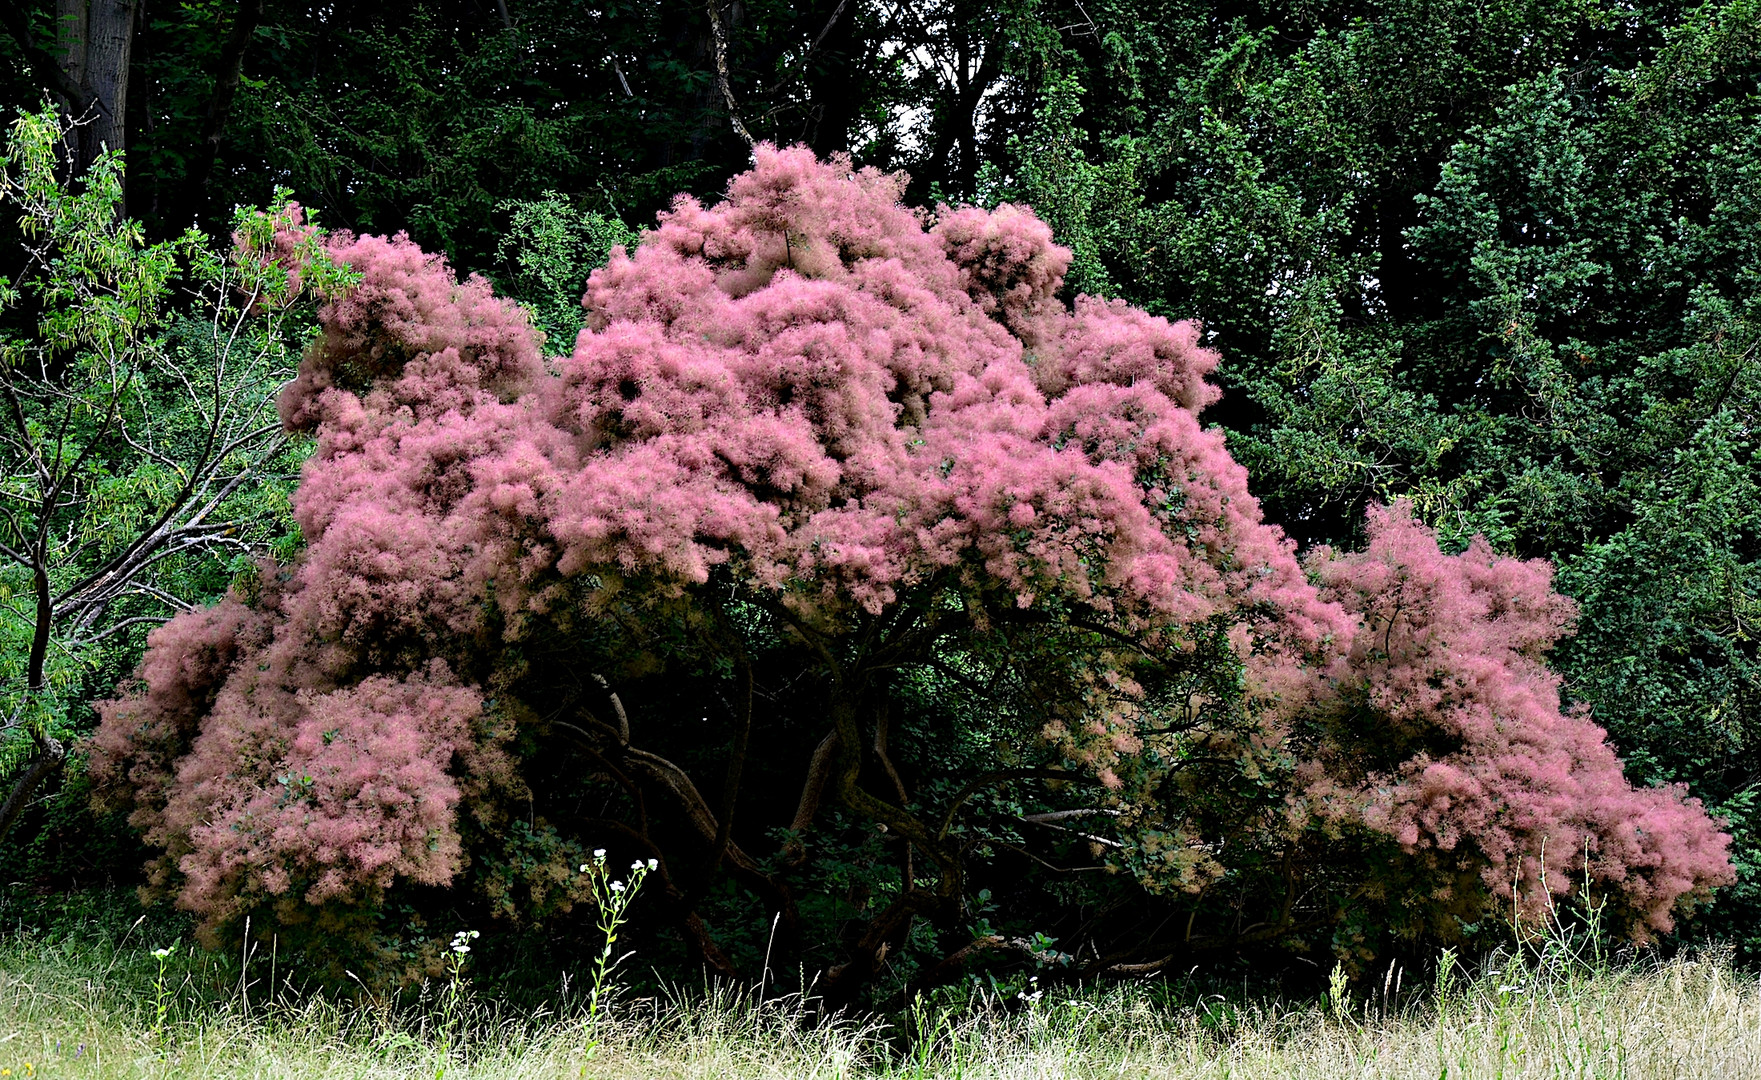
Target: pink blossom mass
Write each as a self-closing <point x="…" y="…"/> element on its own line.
<point x="840" y="406"/>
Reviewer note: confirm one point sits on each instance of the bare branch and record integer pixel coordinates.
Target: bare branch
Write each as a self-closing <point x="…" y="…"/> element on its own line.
<point x="49" y="757"/>
<point x="807" y="56"/>
<point x="119" y="627"/>
<point x="999" y="777"/>
<point x="721" y="72"/>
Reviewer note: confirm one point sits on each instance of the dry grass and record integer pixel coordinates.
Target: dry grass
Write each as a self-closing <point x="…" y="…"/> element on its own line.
<point x="78" y="1009"/>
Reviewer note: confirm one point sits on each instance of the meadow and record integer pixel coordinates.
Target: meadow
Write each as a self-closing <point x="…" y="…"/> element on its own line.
<point x="80" y="999"/>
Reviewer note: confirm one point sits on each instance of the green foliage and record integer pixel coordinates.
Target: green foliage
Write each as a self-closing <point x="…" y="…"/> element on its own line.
<point x="407" y="142"/>
<point x="430" y="118"/>
<point x="1666" y="652"/>
<point x="1503" y="261"/>
<point x="545" y="255"/>
<point x="1087" y="204"/>
<point x="141" y="466"/>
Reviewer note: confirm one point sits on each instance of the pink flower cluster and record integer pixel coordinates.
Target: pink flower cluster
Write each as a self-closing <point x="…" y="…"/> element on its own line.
<point x="805" y="387"/>
<point x="1448" y="661"/>
<point x="265" y="782"/>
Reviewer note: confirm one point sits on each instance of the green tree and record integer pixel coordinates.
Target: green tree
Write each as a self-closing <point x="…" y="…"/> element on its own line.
<point x="141" y="460"/>
<point x="546" y="254"/>
<point x="1504" y="261"/>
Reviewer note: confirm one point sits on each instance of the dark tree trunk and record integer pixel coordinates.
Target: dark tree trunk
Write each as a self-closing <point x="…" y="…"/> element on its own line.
<point x="93" y="42"/>
<point x="226" y="82"/>
<point x="836" y="97"/>
<point x="50" y="756"/>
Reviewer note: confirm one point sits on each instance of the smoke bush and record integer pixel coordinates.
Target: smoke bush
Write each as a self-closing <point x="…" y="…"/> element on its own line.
<point x="1448" y="737"/>
<point x="813" y="441"/>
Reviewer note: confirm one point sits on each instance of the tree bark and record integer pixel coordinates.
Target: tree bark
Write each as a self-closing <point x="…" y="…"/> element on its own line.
<point x="721" y="72"/>
<point x="94" y="40"/>
<point x="819" y="767"/>
<point x="43" y="63"/>
<point x="736" y="763"/>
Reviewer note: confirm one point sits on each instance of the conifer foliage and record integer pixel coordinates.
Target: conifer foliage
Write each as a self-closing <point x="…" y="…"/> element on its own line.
<point x="812" y="453"/>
